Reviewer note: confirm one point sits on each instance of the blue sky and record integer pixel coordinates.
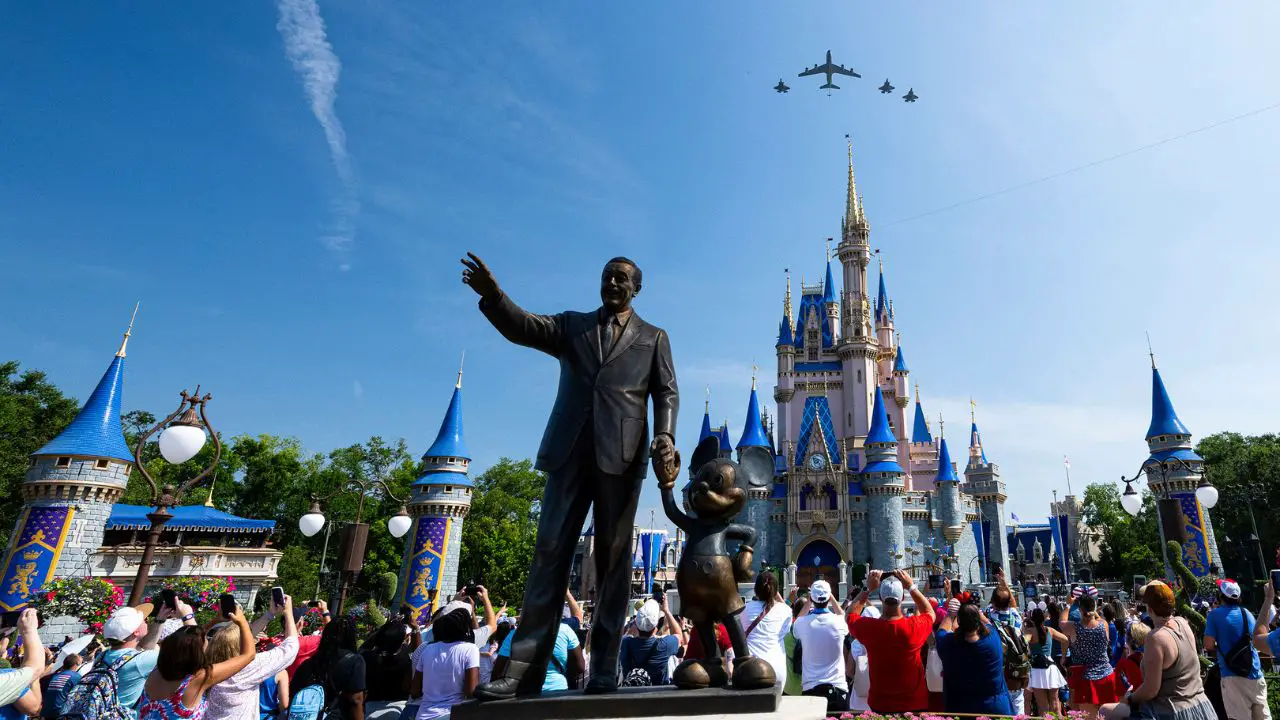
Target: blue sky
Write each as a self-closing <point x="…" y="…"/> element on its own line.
<point x="290" y="213"/>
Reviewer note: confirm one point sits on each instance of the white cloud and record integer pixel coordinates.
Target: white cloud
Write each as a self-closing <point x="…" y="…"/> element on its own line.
<point x="308" y="49"/>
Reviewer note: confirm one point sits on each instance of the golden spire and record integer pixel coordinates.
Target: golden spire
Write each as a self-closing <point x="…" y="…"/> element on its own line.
<point x="942" y="432"/>
<point x="1150" y="352"/>
<point x="917" y="393"/>
<point x="754" y="369"/>
<point x="973" y="410"/>
<point x="853" y="202"/>
<point x="208" y="502"/>
<point x="786" y="304"/>
<point x="129" y="331"/>
<point x="461" y="362"/>
<point x="706" y="408"/>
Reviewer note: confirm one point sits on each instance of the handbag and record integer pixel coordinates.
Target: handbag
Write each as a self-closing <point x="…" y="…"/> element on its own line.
<point x="933" y="671"/>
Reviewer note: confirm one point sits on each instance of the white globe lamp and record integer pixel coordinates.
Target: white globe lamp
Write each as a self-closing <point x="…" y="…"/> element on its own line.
<point x="180" y="442"/>
<point x="1130" y="500"/>
<point x="1207" y="494"/>
<point x="399" y="523"/>
<point x="312" y="522"/>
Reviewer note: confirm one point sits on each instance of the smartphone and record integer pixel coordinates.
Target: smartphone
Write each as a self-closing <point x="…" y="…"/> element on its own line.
<point x="1275" y="578"/>
<point x="227" y="603"/>
<point x="406" y="613"/>
<point x="955" y="588"/>
<point x="10" y="619"/>
<point x="277" y="596"/>
<point x="659" y="595"/>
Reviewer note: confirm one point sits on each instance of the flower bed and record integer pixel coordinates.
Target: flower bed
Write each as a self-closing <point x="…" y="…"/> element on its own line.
<point x="91" y="600"/>
<point x="868" y="715"/>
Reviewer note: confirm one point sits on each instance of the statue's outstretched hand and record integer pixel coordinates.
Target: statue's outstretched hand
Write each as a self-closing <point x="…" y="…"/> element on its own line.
<point x="479" y="277"/>
<point x="666" y="462"/>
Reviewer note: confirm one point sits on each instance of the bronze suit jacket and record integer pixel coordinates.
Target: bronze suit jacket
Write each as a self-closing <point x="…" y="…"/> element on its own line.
<point x="611" y="391"/>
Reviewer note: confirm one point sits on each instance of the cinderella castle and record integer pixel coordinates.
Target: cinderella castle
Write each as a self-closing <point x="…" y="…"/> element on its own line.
<point x="861" y="481"/>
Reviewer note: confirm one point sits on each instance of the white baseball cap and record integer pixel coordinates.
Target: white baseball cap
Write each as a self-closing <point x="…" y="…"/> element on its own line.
<point x="1229" y="588"/>
<point x="125" y="621"/>
<point x="820" y="591"/>
<point x="891" y="589"/>
<point x="647" y="616"/>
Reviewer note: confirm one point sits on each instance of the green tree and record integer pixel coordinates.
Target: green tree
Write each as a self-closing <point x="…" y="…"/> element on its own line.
<point x="1130" y="545"/>
<point x="32" y="412"/>
<point x="498" y="535"/>
<point x="1246" y="472"/>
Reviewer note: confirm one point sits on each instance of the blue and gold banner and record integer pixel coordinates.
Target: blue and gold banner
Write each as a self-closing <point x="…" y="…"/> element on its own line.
<point x="41" y="533"/>
<point x="1195" y="551"/>
<point x="426" y="563"/>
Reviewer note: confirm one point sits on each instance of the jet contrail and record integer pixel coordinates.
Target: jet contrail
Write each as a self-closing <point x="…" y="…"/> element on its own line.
<point x="312" y="56"/>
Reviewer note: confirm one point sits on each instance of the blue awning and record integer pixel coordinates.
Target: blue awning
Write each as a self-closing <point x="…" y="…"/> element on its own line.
<point x="186" y="517"/>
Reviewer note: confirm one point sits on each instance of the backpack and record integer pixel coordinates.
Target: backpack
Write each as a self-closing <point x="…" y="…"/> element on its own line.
<point x="1239" y="659"/>
<point x="95" y="696"/>
<point x="308" y="704"/>
<point x="639" y="676"/>
<point x="1017" y="657"/>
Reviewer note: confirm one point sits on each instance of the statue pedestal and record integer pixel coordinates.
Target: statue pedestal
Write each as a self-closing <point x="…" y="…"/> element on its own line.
<point x="650" y="702"/>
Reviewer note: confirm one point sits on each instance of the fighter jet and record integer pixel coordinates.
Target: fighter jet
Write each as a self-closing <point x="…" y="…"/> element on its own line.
<point x="829" y="68"/>
<point x="781" y="86"/>
<point x="886" y="88"/>
<point x="910" y="96"/>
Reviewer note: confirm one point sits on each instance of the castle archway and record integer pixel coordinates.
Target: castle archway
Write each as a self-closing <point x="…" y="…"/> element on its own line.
<point x="818" y="557"/>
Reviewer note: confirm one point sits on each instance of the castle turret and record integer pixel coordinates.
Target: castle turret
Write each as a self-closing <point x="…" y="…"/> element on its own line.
<point x="923" y="452"/>
<point x="882" y="481"/>
<point x="439" y="502"/>
<point x="759" y="508"/>
<point x="858" y="348"/>
<point x="829" y="302"/>
<point x="982" y="481"/>
<point x="1174" y="470"/>
<point x="784" y="390"/>
<point x="950" y="512"/>
<point x="70" y="487"/>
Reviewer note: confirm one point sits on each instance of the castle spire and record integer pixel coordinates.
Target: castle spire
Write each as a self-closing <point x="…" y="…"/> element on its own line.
<point x="97" y="431"/>
<point x="881" y="445"/>
<point x="882" y="300"/>
<point x="706" y="417"/>
<point x="829" y="283"/>
<point x="946" y="473"/>
<point x="853" y="211"/>
<point x="786" y="328"/>
<point x="753" y="434"/>
<point x="920" y="430"/>
<point x="977" y="456"/>
<point x="1164" y="420"/>
<point x="128" y="331"/>
<point x="449" y="451"/>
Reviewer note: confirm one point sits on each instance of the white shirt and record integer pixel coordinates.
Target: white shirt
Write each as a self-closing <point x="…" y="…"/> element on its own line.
<point x="236" y="698"/>
<point x="822" y="636"/>
<point x="765" y="641"/>
<point x="857" y="649"/>
<point x="443" y="666"/>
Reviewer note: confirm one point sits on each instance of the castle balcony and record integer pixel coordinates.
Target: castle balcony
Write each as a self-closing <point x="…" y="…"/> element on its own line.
<point x="824" y="520"/>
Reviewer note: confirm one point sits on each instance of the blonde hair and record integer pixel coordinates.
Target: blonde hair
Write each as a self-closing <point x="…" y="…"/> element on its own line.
<point x="1138" y="634"/>
<point x="223" y="643"/>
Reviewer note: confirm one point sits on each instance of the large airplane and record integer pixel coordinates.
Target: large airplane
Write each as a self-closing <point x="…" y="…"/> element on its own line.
<point x="910" y="96"/>
<point x="829" y="68"/>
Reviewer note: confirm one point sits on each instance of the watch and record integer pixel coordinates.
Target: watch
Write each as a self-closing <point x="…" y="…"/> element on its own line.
<point x="817" y="461"/>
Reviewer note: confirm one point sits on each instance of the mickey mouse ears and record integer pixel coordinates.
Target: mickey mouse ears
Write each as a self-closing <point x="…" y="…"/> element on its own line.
<point x="757" y="465"/>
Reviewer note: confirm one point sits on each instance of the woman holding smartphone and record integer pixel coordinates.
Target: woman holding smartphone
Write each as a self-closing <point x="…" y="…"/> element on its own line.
<point x="237" y="697"/>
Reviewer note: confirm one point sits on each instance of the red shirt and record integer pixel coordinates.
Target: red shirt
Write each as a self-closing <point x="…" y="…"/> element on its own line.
<point x="1131" y="667"/>
<point x="693" y="651"/>
<point x="893" y="659"/>
<point x="307" y="646"/>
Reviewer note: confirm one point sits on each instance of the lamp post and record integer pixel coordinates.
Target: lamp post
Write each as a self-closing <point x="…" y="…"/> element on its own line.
<point x="354" y="535"/>
<point x="1167" y="506"/>
<point x="184" y="434"/>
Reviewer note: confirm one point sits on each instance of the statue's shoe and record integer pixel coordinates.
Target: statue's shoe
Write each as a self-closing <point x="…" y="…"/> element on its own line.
<point x="601" y="685"/>
<point x="752" y="673"/>
<point x="699" y="674"/>
<point x="501" y="689"/>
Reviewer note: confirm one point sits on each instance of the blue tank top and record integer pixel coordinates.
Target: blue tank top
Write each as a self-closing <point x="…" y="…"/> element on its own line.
<point x="268" y="698"/>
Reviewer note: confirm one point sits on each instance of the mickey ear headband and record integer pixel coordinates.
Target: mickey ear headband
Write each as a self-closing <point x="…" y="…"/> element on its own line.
<point x="1077" y="591"/>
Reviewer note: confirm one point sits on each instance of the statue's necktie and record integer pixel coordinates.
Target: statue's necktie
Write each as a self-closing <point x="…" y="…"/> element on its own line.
<point x="607" y="335"/>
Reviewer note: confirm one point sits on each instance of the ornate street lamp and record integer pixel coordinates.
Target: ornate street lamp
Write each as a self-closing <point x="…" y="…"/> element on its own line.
<point x="1167" y="505"/>
<point x="184" y="434"/>
<point x="354" y="535"/>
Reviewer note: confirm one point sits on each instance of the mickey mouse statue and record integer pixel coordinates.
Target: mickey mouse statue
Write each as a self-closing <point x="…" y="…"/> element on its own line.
<point x="707" y="578"/>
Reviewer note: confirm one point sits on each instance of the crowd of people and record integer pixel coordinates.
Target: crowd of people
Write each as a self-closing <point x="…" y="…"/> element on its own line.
<point x="887" y="648"/>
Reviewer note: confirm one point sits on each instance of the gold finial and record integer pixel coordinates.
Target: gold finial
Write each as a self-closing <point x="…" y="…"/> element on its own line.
<point x="706" y="408"/>
<point x="754" y="369"/>
<point x="898" y="337"/>
<point x="128" y="331"/>
<point x="460" y="364"/>
<point x="917" y="393"/>
<point x="942" y="431"/>
<point x="853" y="204"/>
<point x="1151" y="352"/>
<point x="208" y="502"/>
<point x="786" y="303"/>
<point x="973" y="410"/>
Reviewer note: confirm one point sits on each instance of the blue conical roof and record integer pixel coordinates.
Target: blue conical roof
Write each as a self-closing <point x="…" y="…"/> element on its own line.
<point x="706" y="426"/>
<point x="725" y="446"/>
<point x="946" y="473"/>
<point x="899" y="364"/>
<point x="975" y="441"/>
<point x="784" y="332"/>
<point x="920" y="432"/>
<point x="882" y="302"/>
<point x="880" y="431"/>
<point x="449" y="442"/>
<point x="96" y="431"/>
<point x="753" y="434"/>
<point x="1164" y="421"/>
<point x="829" y="287"/>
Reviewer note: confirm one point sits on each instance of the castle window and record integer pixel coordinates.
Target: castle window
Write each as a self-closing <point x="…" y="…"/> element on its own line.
<point x="62" y="462"/>
<point x="859" y="377"/>
<point x="830" y="492"/>
<point x="806" y="497"/>
<point x="102" y="464"/>
<point x="448" y="488"/>
<point x="1039" y="553"/>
